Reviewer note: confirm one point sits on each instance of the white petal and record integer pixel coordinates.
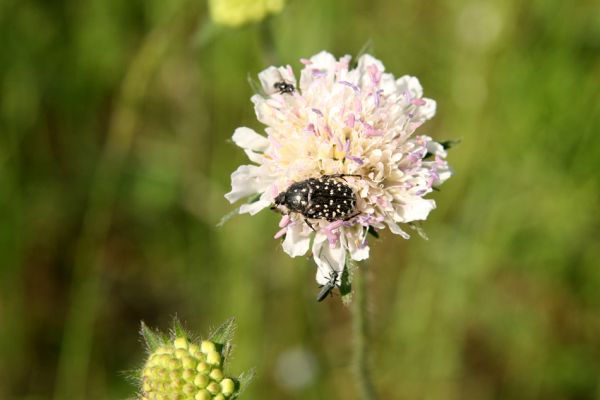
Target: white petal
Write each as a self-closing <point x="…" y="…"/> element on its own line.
<point x="427" y="111"/>
<point x="356" y="242"/>
<point x="246" y="138"/>
<point x="395" y="228"/>
<point x="434" y="147"/>
<point x="330" y="259"/>
<point x="296" y="240"/>
<point x="415" y="209"/>
<point x="359" y="253"/>
<point x="411" y="85"/>
<point x="443" y="175"/>
<point x="321" y="66"/>
<point x="246" y="180"/>
<point x="255" y="207"/>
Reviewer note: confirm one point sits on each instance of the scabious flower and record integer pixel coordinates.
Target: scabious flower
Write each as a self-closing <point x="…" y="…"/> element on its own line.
<point x="239" y="12"/>
<point x="341" y="120"/>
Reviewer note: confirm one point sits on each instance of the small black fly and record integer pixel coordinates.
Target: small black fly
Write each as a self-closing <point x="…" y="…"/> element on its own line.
<point x="284" y="87"/>
<point x="328" y="287"/>
<point x="326" y="198"/>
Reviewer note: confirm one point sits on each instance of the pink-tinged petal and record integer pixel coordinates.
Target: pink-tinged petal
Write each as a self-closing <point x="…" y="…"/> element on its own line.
<point x="350" y="121"/>
<point x="297" y="241"/>
<point x="280" y="233"/>
<point x="374" y="74"/>
<point x="285" y="221"/>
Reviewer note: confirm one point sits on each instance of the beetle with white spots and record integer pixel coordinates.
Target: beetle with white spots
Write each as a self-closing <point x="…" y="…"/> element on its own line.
<point x="328" y="197"/>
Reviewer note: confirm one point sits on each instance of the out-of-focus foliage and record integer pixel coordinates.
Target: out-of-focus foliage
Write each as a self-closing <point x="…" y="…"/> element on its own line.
<point x="115" y="118"/>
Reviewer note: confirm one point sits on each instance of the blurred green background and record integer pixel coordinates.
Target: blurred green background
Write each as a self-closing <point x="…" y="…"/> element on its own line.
<point x="115" y="119"/>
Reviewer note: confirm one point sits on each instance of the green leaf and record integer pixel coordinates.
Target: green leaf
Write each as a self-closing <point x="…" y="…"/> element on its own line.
<point x="152" y="339"/>
<point x="178" y="330"/>
<point x="244" y="381"/>
<point x="224" y="333"/>
<point x="346" y="284"/>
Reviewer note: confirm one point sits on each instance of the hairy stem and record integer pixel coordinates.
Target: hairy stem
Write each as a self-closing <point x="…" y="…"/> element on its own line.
<point x="361" y="339"/>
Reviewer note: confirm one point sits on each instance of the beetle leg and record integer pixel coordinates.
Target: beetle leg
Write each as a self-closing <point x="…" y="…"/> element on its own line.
<point x="352" y="216"/>
<point x="341" y="176"/>
<point x="309" y="224"/>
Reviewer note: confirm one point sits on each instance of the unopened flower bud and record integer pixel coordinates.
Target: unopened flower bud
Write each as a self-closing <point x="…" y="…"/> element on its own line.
<point x="207" y="346"/>
<point x="202" y="367"/>
<point x="213" y="358"/>
<point x="213" y="388"/>
<point x="201" y="381"/>
<point x="180" y="343"/>
<point x="216" y="375"/>
<point x="227" y="386"/>
<point x="180" y="370"/>
<point x="194" y="350"/>
<point x="203" y="395"/>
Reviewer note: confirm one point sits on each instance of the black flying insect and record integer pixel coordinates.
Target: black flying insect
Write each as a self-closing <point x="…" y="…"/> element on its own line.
<point x="284" y="87"/>
<point x="326" y="198"/>
<point x="328" y="287"/>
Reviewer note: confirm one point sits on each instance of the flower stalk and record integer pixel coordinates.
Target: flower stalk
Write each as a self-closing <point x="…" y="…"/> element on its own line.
<point x="361" y="337"/>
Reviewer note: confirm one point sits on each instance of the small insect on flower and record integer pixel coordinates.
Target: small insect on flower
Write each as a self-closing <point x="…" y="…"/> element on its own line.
<point x="328" y="287"/>
<point x="319" y="198"/>
<point x="284" y="87"/>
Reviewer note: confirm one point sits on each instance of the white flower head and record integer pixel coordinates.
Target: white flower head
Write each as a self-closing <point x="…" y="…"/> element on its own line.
<point x="358" y="123"/>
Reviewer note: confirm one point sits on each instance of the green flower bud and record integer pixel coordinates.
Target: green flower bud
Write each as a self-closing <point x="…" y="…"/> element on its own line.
<point x="201" y="381"/>
<point x="213" y="388"/>
<point x="173" y="364"/>
<point x="216" y="375"/>
<point x="180" y="343"/>
<point x="227" y="386"/>
<point x="207" y="346"/>
<point x="189" y="375"/>
<point x="188" y="362"/>
<point x="202" y="367"/>
<point x="203" y="395"/>
<point x="180" y="353"/>
<point x="194" y="350"/>
<point x="189" y="389"/>
<point x="179" y="370"/>
<point x="213" y="358"/>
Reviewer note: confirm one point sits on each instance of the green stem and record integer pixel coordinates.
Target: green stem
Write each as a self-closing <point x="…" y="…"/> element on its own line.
<point x="361" y="339"/>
